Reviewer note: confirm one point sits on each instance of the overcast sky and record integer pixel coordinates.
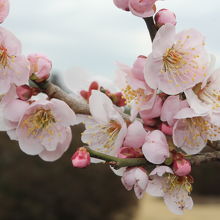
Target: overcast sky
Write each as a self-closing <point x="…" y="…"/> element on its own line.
<point x="95" y="34"/>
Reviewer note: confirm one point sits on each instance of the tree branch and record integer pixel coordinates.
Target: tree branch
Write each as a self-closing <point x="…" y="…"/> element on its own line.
<point x="151" y="27"/>
<point x="76" y="104"/>
<point x="133" y="162"/>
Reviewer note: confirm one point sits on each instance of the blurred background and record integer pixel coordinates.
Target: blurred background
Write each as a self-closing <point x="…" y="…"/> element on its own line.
<point x="87" y="38"/>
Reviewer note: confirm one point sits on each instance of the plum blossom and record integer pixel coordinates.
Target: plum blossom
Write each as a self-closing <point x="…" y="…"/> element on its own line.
<point x="155" y="148"/>
<point x="40" y="67"/>
<point x="177" y="62"/>
<point x="14" y="68"/>
<point x="4" y="10"/>
<point x="205" y="97"/>
<point x="135" y="136"/>
<point x="192" y="131"/>
<point x="134" y="88"/>
<point x="11" y="111"/>
<point x="135" y="178"/>
<point x="106" y="129"/>
<point x="171" y="106"/>
<point x="44" y="129"/>
<point x="175" y="190"/>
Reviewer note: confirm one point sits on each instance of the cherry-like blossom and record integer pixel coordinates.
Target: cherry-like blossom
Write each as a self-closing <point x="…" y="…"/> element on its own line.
<point x="14" y="67"/>
<point x="177" y="62"/>
<point x="106" y="129"/>
<point x="175" y="190"/>
<point x="44" y="129"/>
<point x="135" y="178"/>
<point x="155" y="148"/>
<point x="134" y="88"/>
<point x="192" y="131"/>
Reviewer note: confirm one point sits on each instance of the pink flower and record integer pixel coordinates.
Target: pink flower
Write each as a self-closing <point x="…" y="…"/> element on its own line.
<point x="205" y="97"/>
<point x="14" y="67"/>
<point x="24" y="92"/>
<point x="165" y="16"/>
<point x="171" y="106"/>
<point x="106" y="129"/>
<point x="177" y="62"/>
<point x="137" y="178"/>
<point x="123" y="4"/>
<point x="143" y="8"/>
<point x="11" y="111"/>
<point x="156" y="149"/>
<point x="192" y="131"/>
<point x="175" y="190"/>
<point x="40" y="67"/>
<point x="44" y="129"/>
<point x="81" y="158"/>
<point x="135" y="136"/>
<point x="134" y="89"/>
<point x="154" y="112"/>
<point x="181" y="167"/>
<point x="166" y="129"/>
<point x="4" y="9"/>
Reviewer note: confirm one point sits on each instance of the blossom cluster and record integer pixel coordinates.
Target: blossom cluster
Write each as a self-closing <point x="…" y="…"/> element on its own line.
<point x="39" y="124"/>
<point x="167" y="107"/>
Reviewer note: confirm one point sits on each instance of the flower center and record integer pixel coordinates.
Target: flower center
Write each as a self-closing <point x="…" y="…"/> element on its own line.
<point x="131" y="95"/>
<point x="41" y="120"/>
<point x="173" y="182"/>
<point x="173" y="60"/>
<point x="4" y="57"/>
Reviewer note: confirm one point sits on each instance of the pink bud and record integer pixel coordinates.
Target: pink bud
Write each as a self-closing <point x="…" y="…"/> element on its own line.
<point x="84" y="94"/>
<point x="24" y="92"/>
<point x="138" y="67"/>
<point x="40" y="67"/>
<point x="122" y="4"/>
<point x="143" y="8"/>
<point x="166" y="129"/>
<point x="181" y="167"/>
<point x="93" y="86"/>
<point x="81" y="158"/>
<point x="164" y="16"/>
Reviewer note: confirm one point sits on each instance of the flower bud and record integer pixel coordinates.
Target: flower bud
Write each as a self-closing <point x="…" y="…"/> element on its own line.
<point x="40" y="67"/>
<point x="84" y="94"/>
<point x="93" y="86"/>
<point x="166" y="129"/>
<point x="181" y="167"/>
<point x="122" y="4"/>
<point x="164" y="16"/>
<point x="81" y="158"/>
<point x="24" y="92"/>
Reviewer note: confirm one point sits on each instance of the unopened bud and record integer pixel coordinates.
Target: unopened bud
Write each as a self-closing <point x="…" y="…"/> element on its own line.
<point x="164" y="16"/>
<point x="81" y="158"/>
<point x="93" y="86"/>
<point x="24" y="92"/>
<point x="122" y="4"/>
<point x="40" y="67"/>
<point x="181" y="167"/>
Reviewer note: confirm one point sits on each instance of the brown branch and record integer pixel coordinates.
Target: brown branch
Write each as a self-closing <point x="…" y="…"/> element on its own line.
<point x="53" y="91"/>
<point x="151" y="27"/>
<point x="204" y="157"/>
